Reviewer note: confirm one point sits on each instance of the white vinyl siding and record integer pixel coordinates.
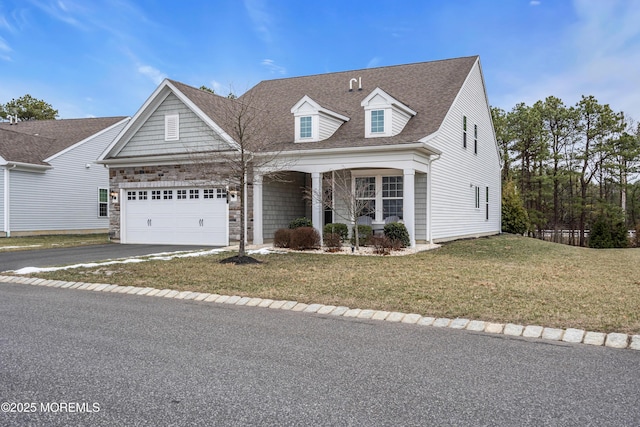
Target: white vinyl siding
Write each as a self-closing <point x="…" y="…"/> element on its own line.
<point x="195" y="135"/>
<point x="457" y="173"/>
<point x="327" y="126"/>
<point x="3" y="171"/>
<point x="69" y="187"/>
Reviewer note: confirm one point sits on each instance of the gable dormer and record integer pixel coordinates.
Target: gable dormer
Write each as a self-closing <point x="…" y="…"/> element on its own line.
<point x="314" y="123"/>
<point x="384" y="115"/>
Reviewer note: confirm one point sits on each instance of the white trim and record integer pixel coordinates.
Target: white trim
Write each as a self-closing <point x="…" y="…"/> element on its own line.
<point x="6" y="226"/>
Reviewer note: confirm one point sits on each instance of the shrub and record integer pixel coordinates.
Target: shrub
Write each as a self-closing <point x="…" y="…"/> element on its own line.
<point x="636" y="239"/>
<point x="282" y="238"/>
<point x="397" y="231"/>
<point x="382" y="245"/>
<point x="332" y="241"/>
<point x="338" y="228"/>
<point x="304" y="238"/>
<point x="364" y="235"/>
<point x="300" y="222"/>
<point x="609" y="231"/>
<point x="515" y="218"/>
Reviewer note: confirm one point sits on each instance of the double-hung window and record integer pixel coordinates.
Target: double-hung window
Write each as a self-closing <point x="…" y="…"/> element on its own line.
<point x="475" y="139"/>
<point x="305" y="127"/>
<point x="365" y="196"/>
<point x="392" y="196"/>
<point x="377" y="121"/>
<point x="379" y="196"/>
<point x="464" y="131"/>
<point x="103" y="202"/>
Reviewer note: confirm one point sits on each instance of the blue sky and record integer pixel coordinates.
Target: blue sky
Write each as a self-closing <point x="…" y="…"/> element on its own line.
<point x="105" y="57"/>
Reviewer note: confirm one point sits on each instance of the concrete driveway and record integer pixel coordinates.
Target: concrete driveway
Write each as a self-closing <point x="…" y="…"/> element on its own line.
<point x="80" y="254"/>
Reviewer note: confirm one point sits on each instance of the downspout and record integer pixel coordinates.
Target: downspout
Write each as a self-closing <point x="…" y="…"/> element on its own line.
<point x="7" y="199"/>
<point x="429" y="207"/>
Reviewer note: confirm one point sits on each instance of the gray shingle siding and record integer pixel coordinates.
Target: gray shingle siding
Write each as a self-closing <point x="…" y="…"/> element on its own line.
<point x="282" y="202"/>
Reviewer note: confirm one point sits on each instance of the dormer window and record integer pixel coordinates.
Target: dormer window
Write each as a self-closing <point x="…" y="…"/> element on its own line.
<point x="384" y="115"/>
<point x="377" y="121"/>
<point x="305" y="127"/>
<point x="313" y="122"/>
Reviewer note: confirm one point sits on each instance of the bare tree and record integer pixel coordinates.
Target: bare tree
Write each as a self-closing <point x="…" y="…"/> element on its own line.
<point x="238" y="149"/>
<point x="349" y="199"/>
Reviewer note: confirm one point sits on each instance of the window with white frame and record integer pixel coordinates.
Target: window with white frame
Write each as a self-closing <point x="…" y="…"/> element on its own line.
<point x="486" y="199"/>
<point x="305" y="127"/>
<point x="168" y="194"/>
<point x="384" y="195"/>
<point x="377" y="121"/>
<point x="156" y="194"/>
<point x="477" y="197"/>
<point x="194" y="193"/>
<point x="392" y="196"/>
<point x="365" y="195"/>
<point x="475" y="139"/>
<point x="142" y="195"/>
<point x="131" y="195"/>
<point x="103" y="202"/>
<point x="208" y="193"/>
<point x="464" y="131"/>
<point x="181" y="194"/>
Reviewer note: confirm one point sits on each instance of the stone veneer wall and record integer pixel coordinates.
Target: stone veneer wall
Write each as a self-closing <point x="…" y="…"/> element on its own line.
<point x="175" y="176"/>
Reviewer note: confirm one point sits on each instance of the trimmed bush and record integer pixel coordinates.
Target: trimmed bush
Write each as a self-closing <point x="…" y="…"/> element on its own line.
<point x="364" y="235"/>
<point x="282" y="238"/>
<point x="338" y="228"/>
<point x="382" y="245"/>
<point x="303" y="238"/>
<point x="397" y="231"/>
<point x="300" y="222"/>
<point x="332" y="241"/>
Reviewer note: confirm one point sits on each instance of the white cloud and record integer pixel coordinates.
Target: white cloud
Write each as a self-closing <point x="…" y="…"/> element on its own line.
<point x="4" y="50"/>
<point x="373" y="62"/>
<point x="273" y="67"/>
<point x="152" y="73"/>
<point x="262" y="20"/>
<point x="534" y="3"/>
<point x="601" y="58"/>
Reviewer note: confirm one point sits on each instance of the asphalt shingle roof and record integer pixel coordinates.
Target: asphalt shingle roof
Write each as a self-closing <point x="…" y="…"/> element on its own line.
<point x="36" y="140"/>
<point x="429" y="88"/>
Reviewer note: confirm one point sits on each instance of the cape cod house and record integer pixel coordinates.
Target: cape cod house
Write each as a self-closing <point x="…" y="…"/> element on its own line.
<point x="49" y="181"/>
<point x="420" y="136"/>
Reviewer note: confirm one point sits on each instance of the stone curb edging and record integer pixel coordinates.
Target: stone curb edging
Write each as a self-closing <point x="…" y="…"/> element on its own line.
<point x="569" y="335"/>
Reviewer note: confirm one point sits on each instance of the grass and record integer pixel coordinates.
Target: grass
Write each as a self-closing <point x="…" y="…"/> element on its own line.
<point x="55" y="241"/>
<point x="503" y="279"/>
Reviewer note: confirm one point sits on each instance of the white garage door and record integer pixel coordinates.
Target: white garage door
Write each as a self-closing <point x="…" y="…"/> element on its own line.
<point x="179" y="216"/>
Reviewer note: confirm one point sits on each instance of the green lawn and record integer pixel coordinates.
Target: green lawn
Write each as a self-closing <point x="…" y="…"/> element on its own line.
<point x="503" y="279"/>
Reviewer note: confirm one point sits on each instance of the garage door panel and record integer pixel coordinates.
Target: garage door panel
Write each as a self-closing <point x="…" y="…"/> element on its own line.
<point x="177" y="216"/>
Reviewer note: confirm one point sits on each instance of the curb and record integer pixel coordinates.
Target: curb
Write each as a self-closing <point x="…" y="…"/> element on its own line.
<point x="569" y="335"/>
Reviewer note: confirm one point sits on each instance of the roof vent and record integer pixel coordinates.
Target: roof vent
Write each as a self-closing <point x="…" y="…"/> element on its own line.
<point x="354" y="80"/>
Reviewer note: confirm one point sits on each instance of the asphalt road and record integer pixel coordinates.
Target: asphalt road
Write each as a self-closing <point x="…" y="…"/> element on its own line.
<point x="148" y="361"/>
<point x="74" y="255"/>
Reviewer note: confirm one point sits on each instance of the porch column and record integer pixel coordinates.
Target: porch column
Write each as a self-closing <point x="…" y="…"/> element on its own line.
<point x="410" y="204"/>
<point x="257" y="210"/>
<point x="316" y="202"/>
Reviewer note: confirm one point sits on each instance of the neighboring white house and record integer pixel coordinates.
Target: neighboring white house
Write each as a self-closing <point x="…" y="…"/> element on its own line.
<point x="49" y="181"/>
<point x="420" y="135"/>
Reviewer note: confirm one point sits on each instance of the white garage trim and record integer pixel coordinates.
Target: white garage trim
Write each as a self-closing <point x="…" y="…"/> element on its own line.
<point x="175" y="215"/>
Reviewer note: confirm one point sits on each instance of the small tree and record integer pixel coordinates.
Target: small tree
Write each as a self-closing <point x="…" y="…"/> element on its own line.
<point x="235" y="161"/>
<point x="514" y="216"/>
<point x="348" y="199"/>
<point x="28" y="108"/>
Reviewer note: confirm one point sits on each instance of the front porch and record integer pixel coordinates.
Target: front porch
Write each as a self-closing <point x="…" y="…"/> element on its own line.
<point x="383" y="194"/>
